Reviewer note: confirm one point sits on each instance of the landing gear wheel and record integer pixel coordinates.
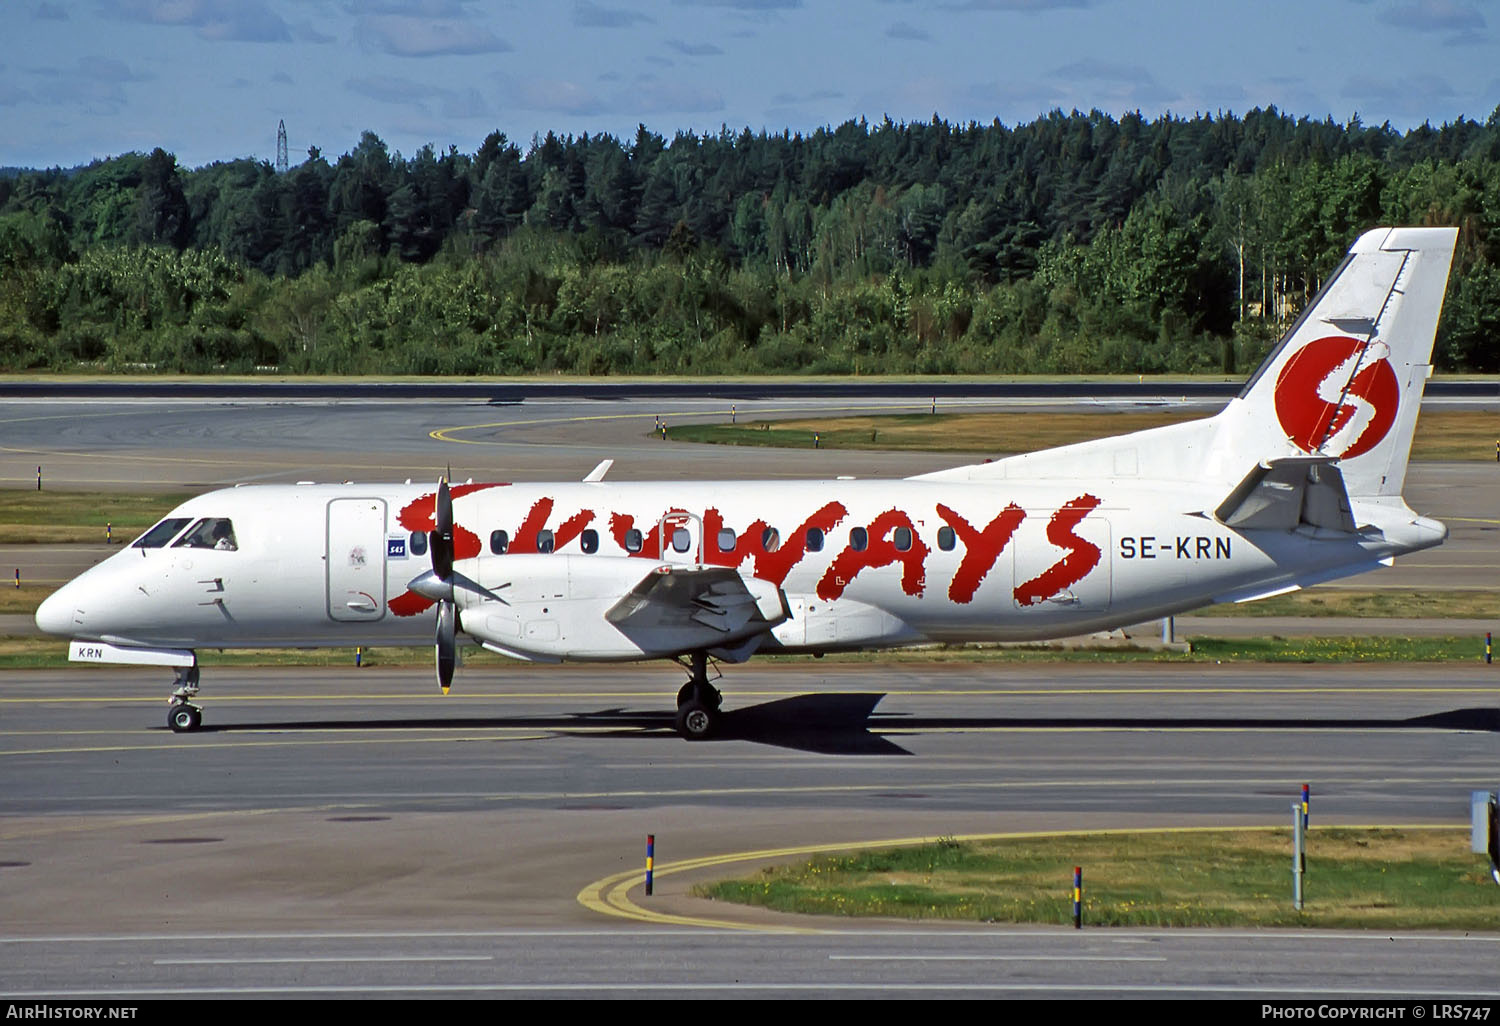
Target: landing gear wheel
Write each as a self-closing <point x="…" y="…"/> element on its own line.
<point x="698" y="703"/>
<point x="182" y="715"/>
<point x="696" y="722"/>
<point x="703" y="693"/>
<point x="184" y="718"/>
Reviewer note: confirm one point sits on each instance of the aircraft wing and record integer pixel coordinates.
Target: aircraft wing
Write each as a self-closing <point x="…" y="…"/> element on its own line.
<point x="709" y="605"/>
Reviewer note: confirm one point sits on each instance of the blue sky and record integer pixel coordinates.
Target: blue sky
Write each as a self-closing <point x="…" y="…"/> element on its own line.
<point x="210" y="79"/>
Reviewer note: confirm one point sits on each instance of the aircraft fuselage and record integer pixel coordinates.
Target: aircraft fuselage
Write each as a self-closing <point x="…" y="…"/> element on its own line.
<point x="860" y="563"/>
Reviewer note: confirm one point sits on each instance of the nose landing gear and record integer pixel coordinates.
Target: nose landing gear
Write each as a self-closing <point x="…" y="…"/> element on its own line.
<point x="182" y="715"/>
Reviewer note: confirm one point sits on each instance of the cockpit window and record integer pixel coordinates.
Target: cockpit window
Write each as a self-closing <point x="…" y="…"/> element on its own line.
<point x="210" y="533"/>
<point x="161" y="533"/>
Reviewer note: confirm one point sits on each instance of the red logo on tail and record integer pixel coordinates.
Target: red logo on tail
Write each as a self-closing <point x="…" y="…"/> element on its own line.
<point x="1320" y="414"/>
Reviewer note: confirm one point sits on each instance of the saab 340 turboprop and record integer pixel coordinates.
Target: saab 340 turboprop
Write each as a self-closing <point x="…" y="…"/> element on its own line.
<point x="1296" y="481"/>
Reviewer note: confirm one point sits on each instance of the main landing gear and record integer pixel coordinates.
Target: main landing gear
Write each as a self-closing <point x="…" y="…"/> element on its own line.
<point x="182" y="715"/>
<point x="698" y="703"/>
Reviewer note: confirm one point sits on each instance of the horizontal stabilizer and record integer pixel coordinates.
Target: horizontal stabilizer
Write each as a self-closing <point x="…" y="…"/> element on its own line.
<point x="1288" y="493"/>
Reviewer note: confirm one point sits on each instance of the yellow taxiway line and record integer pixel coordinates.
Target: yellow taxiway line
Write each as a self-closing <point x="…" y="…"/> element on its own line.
<point x="444" y="434"/>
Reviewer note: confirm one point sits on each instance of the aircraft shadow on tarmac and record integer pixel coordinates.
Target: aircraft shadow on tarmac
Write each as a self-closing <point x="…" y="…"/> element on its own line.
<point x="846" y="723"/>
<point x="828" y="724"/>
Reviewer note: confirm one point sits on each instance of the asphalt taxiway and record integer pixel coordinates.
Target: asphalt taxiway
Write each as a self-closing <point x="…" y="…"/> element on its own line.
<point x="333" y="831"/>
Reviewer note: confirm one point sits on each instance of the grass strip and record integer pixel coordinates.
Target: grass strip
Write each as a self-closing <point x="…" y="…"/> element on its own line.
<point x="29" y="517"/>
<point x="1441" y="434"/>
<point x="1326" y="601"/>
<point x="42" y="653"/>
<point x="1361" y="878"/>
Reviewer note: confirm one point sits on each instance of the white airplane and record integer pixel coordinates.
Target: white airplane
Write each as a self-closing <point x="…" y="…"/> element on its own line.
<point x="1297" y="481"/>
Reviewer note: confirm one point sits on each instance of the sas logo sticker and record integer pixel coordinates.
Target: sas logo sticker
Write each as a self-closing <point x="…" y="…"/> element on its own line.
<point x="395" y="548"/>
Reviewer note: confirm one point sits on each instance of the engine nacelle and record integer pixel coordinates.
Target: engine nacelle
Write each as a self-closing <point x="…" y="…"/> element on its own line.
<point x="830" y="625"/>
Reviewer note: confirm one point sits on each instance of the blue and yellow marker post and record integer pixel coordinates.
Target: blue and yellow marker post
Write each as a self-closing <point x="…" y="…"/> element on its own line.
<point x="1077" y="897"/>
<point x="650" y="861"/>
<point x="1306" y="795"/>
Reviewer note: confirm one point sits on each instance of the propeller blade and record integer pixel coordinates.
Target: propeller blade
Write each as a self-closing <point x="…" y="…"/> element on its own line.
<point x="467" y="584"/>
<point x="441" y="539"/>
<point x="446" y="643"/>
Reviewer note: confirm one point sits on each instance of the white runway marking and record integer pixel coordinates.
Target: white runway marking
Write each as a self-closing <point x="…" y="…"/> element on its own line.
<point x="339" y="960"/>
<point x="997" y="958"/>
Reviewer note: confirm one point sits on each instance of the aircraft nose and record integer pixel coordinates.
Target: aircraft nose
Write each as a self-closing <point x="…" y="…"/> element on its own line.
<point x="55" y="614"/>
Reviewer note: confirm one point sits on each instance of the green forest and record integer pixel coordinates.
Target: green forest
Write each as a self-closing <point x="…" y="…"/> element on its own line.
<point x="1076" y="243"/>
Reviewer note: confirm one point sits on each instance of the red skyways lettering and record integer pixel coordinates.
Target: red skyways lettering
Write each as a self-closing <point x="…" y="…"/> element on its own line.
<point x="466" y="545"/>
<point x="981" y="548"/>
<point x="773" y="566"/>
<point x="421" y="515"/>
<point x="526" y="536"/>
<point x="880" y="550"/>
<point x="1082" y="555"/>
<point x="621" y="524"/>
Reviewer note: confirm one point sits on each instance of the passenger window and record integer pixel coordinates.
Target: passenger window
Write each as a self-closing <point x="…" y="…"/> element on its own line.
<point x="161" y="533"/>
<point x="902" y="538"/>
<point x="726" y="540"/>
<point x="210" y="533"/>
<point x="682" y="539"/>
<point x="419" y="543"/>
<point x="589" y="540"/>
<point x="633" y="540"/>
<point x="814" y="539"/>
<point x="770" y="539"/>
<point x="545" y="541"/>
<point x="946" y="539"/>
<point x="859" y="539"/>
<point x="499" y="542"/>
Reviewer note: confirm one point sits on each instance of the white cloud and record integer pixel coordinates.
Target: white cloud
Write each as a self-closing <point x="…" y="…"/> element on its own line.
<point x="647" y="95"/>
<point x="1435" y="16"/>
<point x="243" y="21"/>
<point x="905" y="30"/>
<point x="694" y="49"/>
<point x="591" y="15"/>
<point x="409" y="36"/>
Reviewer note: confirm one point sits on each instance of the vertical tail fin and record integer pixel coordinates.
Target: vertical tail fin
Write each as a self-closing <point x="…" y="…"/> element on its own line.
<point x="1346" y="382"/>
